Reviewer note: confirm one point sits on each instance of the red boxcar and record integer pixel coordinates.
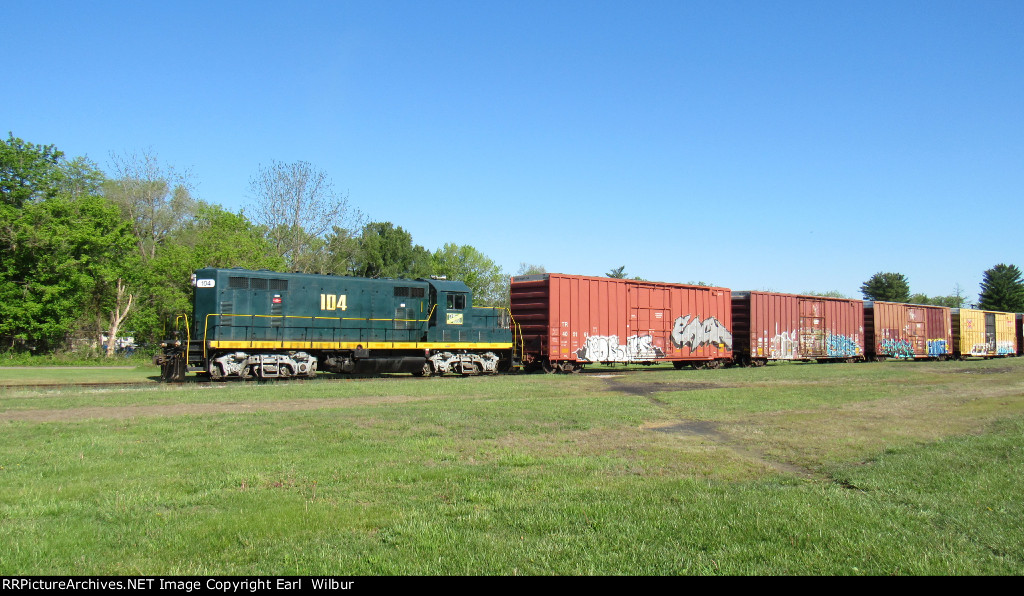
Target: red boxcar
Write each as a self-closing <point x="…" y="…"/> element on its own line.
<point x="566" y="321"/>
<point x="897" y="330"/>
<point x="1020" y="333"/>
<point x="773" y="326"/>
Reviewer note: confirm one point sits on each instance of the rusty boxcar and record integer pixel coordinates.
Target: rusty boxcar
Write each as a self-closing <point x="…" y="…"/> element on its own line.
<point x="566" y="321"/>
<point x="774" y="326"/>
<point x="1020" y="333"/>
<point x="983" y="333"/>
<point x="897" y="330"/>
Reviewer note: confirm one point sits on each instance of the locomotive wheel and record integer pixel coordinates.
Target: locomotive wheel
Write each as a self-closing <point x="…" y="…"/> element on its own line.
<point x="426" y="372"/>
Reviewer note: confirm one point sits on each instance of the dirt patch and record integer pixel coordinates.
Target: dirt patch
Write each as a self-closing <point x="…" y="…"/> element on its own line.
<point x="121" y="412"/>
<point x="646" y="389"/>
<point x="983" y="371"/>
<point x="709" y="430"/>
<point x="698" y="428"/>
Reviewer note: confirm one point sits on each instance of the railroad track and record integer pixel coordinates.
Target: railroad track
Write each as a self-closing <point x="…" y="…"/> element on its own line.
<point x="194" y="382"/>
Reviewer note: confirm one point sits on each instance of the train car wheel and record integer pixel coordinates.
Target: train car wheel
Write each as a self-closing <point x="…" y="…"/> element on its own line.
<point x="547" y="366"/>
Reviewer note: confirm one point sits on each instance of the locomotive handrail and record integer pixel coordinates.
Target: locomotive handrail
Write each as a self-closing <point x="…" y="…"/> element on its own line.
<point x="517" y="331"/>
<point x="188" y="329"/>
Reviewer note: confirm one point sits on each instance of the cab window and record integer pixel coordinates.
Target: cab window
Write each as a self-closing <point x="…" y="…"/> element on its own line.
<point x="456" y="301"/>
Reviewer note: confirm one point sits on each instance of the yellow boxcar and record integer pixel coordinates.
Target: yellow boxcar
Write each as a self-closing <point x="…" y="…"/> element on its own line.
<point x="983" y="333"/>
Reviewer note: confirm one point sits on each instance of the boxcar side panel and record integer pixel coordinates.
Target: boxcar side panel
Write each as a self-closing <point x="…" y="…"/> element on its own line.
<point x="900" y="330"/>
<point x="984" y="333"/>
<point x="794" y="327"/>
<point x="591" y="319"/>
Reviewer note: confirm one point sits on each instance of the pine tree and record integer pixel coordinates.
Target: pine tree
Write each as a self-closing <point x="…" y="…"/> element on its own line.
<point x="1002" y="289"/>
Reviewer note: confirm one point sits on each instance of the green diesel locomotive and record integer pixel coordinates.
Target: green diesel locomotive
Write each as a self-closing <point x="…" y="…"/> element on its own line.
<point x="262" y="324"/>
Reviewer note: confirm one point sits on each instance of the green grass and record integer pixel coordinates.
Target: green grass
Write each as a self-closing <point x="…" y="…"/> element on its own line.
<point x="884" y="468"/>
<point x="83" y="358"/>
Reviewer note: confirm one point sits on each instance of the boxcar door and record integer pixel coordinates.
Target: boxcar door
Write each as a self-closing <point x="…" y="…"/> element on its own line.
<point x="990" y="332"/>
<point x="812" y="328"/>
<point x="650" y="323"/>
<point x="916" y="326"/>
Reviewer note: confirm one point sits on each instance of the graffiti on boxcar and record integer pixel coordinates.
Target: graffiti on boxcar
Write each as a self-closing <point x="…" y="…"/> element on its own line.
<point x="981" y="349"/>
<point x="900" y="348"/>
<point x="606" y="348"/>
<point x="784" y="346"/>
<point x="841" y="346"/>
<point x="937" y="347"/>
<point x="690" y="331"/>
<point x="1004" y="348"/>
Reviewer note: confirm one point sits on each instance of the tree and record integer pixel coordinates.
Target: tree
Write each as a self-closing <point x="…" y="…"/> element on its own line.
<point x="27" y="171"/>
<point x="530" y="269"/>
<point x="62" y="246"/>
<point x="1002" y="289"/>
<point x="886" y="287"/>
<point x="62" y="272"/>
<point x="299" y="207"/>
<point x="467" y="264"/>
<point x="829" y="294"/>
<point x="340" y="255"/>
<point x="387" y="251"/>
<point x="213" y="238"/>
<point x="81" y="177"/>
<point x="156" y="199"/>
<point x="617" y="273"/>
<point x="954" y="300"/>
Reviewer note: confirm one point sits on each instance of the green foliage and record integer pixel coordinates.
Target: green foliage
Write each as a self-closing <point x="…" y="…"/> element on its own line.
<point x="887" y="287"/>
<point x="950" y="301"/>
<point x="337" y="254"/>
<point x="530" y="269"/>
<point x="60" y="268"/>
<point x="388" y="251"/>
<point x="28" y="172"/>
<point x="466" y="264"/>
<point x="213" y="238"/>
<point x="829" y="294"/>
<point x="1002" y="289"/>
<point x="304" y="216"/>
<point x="617" y="273"/>
<point x="156" y="199"/>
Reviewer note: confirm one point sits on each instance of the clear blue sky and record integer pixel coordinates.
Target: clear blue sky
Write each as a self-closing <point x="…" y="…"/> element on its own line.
<point x="781" y="145"/>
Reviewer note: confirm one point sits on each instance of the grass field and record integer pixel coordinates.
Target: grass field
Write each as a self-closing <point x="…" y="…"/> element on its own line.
<point x="885" y="468"/>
